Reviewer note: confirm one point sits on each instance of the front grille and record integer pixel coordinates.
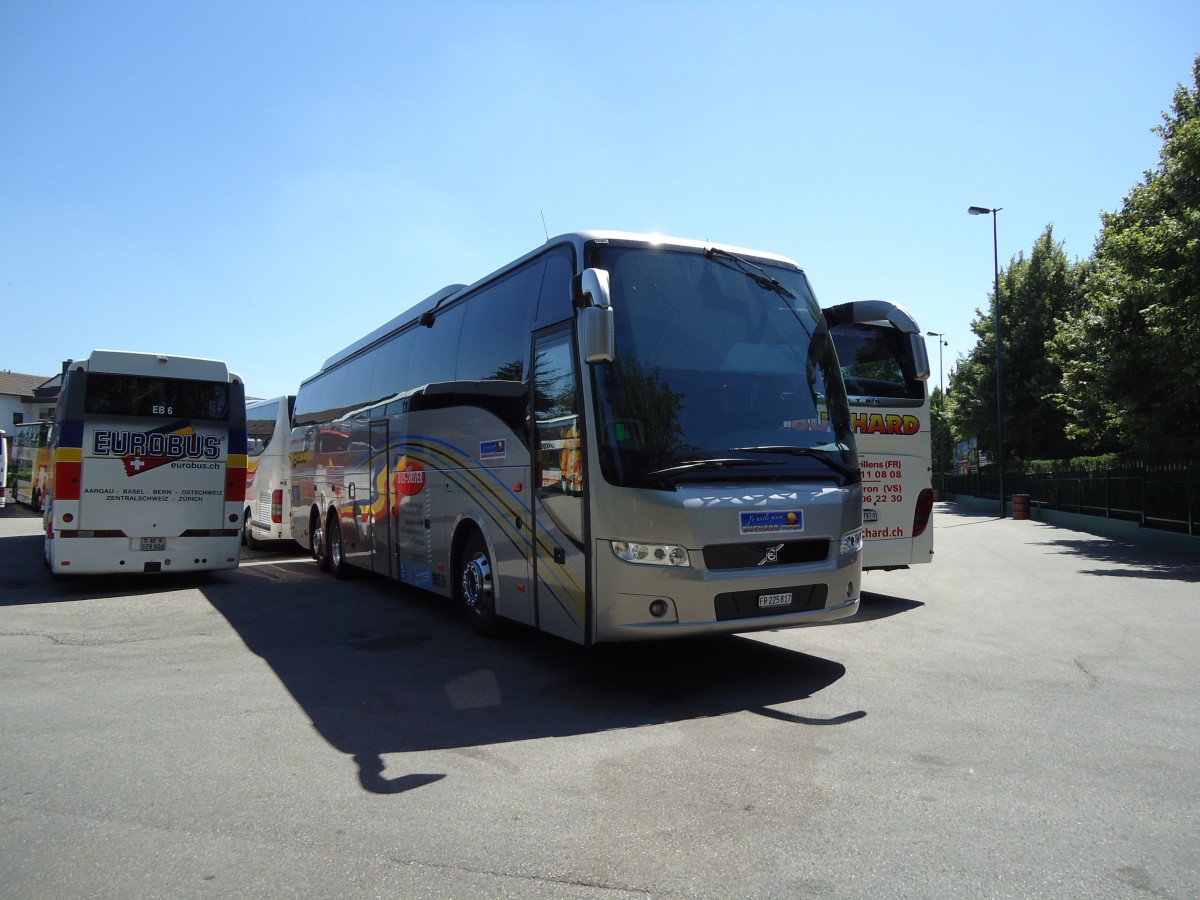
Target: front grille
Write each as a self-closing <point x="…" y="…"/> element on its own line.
<point x="765" y="554"/>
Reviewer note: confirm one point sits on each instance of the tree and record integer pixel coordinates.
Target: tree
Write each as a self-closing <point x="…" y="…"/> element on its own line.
<point x="1034" y="293"/>
<point x="941" y="441"/>
<point x="1130" y="355"/>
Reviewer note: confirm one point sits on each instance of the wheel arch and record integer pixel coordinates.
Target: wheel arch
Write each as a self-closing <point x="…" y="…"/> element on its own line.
<point x="464" y="527"/>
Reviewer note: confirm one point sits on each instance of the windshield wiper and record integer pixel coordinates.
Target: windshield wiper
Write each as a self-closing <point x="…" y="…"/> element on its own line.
<point x="825" y="456"/>
<point x="757" y="273"/>
<point x="670" y="473"/>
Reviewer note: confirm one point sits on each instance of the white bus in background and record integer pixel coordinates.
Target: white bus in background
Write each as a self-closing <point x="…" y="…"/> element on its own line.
<point x="885" y="367"/>
<point x="268" y="471"/>
<point x="614" y="437"/>
<point x="148" y="466"/>
<point x="29" y="462"/>
<point x="3" y="469"/>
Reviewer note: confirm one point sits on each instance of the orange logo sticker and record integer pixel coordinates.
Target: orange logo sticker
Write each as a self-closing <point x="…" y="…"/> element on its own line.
<point x="409" y="478"/>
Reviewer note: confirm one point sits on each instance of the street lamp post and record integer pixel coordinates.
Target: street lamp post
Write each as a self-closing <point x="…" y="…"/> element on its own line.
<point x="983" y="211"/>
<point x="941" y="387"/>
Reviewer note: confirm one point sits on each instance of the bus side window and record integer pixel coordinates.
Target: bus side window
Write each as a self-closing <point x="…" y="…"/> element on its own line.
<point x="558" y="456"/>
<point x="554" y="300"/>
<point x="435" y="350"/>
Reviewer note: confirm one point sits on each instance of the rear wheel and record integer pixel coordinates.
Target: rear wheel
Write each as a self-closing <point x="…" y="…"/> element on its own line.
<point x="337" y="554"/>
<point x="316" y="544"/>
<point x="248" y="538"/>
<point x="476" y="587"/>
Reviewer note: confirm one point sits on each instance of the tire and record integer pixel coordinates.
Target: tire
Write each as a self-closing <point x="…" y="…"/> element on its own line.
<point x="316" y="544"/>
<point x="248" y="538"/>
<point x="476" y="587"/>
<point x="337" y="552"/>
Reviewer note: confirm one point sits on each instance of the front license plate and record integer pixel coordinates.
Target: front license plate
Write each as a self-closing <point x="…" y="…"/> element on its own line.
<point x="156" y="543"/>
<point x="768" y="600"/>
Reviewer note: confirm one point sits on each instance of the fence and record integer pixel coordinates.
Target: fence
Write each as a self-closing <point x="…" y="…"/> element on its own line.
<point x="1166" y="498"/>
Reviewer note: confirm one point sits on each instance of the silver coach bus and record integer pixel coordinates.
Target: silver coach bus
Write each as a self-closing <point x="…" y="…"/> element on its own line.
<point x="614" y="437"/>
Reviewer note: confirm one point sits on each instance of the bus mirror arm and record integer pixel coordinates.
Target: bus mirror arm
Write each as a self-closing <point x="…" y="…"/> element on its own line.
<point x="590" y="288"/>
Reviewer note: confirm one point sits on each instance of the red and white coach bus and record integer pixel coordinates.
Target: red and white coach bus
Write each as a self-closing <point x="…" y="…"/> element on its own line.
<point x="885" y="367"/>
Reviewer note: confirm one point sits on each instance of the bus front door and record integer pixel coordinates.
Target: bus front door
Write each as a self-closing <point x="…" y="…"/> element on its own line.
<point x="383" y="509"/>
<point x="559" y="484"/>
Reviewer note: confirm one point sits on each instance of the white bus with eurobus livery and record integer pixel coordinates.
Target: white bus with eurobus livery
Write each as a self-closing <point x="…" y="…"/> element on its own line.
<point x="3" y="469"/>
<point x="885" y="367"/>
<point x="717" y="487"/>
<point x="29" y="465"/>
<point x="148" y="466"/>
<point x="268" y="471"/>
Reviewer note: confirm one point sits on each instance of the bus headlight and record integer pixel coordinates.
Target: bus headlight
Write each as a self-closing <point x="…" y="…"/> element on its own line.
<point x="652" y="554"/>
<point x="851" y="543"/>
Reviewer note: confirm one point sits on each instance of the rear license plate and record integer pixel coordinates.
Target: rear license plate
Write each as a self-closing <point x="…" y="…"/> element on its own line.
<point x="766" y="601"/>
<point x="155" y="543"/>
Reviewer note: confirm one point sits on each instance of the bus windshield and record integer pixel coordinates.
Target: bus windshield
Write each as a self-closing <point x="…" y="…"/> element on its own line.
<point x="724" y="369"/>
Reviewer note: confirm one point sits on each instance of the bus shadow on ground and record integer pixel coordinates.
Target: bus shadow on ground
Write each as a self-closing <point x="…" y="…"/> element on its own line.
<point x="381" y="670"/>
<point x="954" y="515"/>
<point x="25" y="580"/>
<point x="23" y="576"/>
<point x="880" y="606"/>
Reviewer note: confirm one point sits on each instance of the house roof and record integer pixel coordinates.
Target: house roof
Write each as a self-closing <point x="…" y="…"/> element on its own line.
<point x="17" y="385"/>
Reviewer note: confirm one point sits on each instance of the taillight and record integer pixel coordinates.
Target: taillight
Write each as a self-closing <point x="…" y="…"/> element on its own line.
<point x="923" y="512"/>
<point x="277" y="507"/>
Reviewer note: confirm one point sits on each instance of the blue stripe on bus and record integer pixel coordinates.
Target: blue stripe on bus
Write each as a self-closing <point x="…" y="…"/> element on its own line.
<point x="70" y="433"/>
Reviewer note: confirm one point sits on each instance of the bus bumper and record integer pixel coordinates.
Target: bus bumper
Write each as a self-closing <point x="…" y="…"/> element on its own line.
<point x="651" y="603"/>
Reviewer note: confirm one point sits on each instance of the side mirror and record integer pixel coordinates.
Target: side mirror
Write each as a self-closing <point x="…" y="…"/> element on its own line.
<point x="596" y="333"/>
<point x="920" y="356"/>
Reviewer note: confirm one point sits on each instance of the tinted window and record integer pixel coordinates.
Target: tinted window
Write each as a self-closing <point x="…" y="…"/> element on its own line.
<point x="260" y="427"/>
<point x="355" y="392"/>
<point x="138" y="395"/>
<point x="554" y="302"/>
<point x="558" y="446"/>
<point x="495" y="335"/>
<point x="876" y="362"/>
<point x="391" y="366"/>
<point x="310" y="401"/>
<point x="435" y="350"/>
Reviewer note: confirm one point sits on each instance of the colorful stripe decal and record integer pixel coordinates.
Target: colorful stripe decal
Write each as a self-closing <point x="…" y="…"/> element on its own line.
<point x="68" y="476"/>
<point x="68" y="460"/>
<point x="70" y="433"/>
<point x="235" y="478"/>
<point x="236" y="465"/>
<point x="490" y="492"/>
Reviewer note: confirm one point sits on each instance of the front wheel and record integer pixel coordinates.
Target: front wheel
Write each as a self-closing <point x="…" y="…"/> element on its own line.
<point x="477" y="588"/>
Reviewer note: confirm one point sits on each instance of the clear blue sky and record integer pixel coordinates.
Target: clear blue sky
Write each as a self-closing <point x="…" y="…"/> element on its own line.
<point x="265" y="182"/>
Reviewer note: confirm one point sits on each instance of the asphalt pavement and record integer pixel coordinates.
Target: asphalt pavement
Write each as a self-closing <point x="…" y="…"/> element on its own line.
<point x="1017" y="719"/>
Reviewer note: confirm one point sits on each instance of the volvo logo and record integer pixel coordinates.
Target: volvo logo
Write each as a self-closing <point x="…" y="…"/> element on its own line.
<point x="772" y="555"/>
